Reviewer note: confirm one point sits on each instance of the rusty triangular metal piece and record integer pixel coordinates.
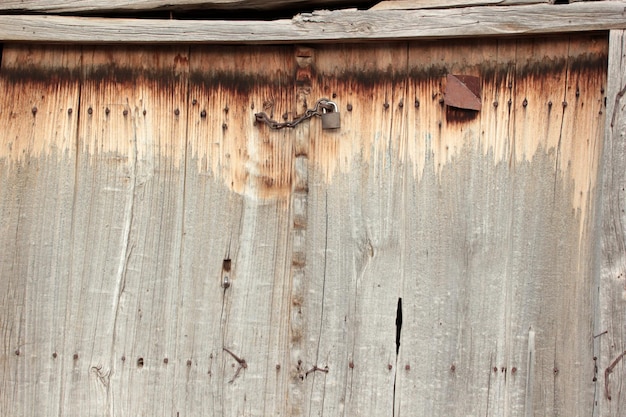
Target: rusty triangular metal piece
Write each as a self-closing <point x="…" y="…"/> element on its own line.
<point x="463" y="92"/>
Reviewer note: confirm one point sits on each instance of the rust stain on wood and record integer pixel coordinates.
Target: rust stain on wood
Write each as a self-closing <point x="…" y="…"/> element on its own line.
<point x="210" y="96"/>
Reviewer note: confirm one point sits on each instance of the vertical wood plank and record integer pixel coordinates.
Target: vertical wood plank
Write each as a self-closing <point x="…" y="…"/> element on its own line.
<point x="353" y="255"/>
<point x="39" y="86"/>
<point x="122" y="305"/>
<point x="237" y="215"/>
<point x="610" y="327"/>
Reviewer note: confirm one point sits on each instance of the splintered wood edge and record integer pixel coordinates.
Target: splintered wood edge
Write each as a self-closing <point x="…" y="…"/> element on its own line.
<point x="324" y="26"/>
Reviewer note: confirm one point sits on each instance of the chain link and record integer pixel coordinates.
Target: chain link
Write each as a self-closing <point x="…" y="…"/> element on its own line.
<point x="321" y="104"/>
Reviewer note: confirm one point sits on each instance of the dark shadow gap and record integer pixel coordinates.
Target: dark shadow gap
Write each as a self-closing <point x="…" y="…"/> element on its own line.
<point x="398" y="325"/>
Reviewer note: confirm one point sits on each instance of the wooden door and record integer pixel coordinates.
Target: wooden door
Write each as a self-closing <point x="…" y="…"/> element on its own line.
<point x="165" y="254"/>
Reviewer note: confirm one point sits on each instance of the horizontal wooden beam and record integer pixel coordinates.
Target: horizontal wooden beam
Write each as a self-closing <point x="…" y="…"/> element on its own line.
<point x="446" y="4"/>
<point x="92" y="6"/>
<point x="324" y="26"/>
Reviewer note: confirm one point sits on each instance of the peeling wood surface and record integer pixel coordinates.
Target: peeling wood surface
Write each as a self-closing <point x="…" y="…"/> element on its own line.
<point x="433" y="4"/>
<point x="609" y="323"/>
<point x="324" y="26"/>
<point x="123" y="219"/>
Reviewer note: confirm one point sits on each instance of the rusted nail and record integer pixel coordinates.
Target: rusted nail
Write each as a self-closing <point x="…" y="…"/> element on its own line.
<point x="316" y="368"/>
<point x="417" y="103"/>
<point x="565" y="104"/>
<point x="495" y="104"/>
<point x="386" y="105"/>
<point x="34" y="110"/>
<point x="495" y="369"/>
<point x="577" y="92"/>
<point x="351" y="365"/>
<point x="90" y="110"/>
<point x="602" y="90"/>
<point x="513" y="370"/>
<point x="598" y="335"/>
<point x="188" y="362"/>
<point x="176" y="112"/>
<point x="125" y="112"/>
<point x="144" y="112"/>
<point x="226" y="109"/>
<point x="349" y="107"/>
<point x="334" y="95"/>
<point x="107" y="111"/>
<point x="139" y="362"/>
<point x="550" y="103"/>
<point x="165" y="360"/>
<point x="69" y="111"/>
<point x="278" y="366"/>
<point x="525" y="103"/>
<point x="407" y="367"/>
<point x="555" y="370"/>
<point x="54" y="355"/>
<point x="389" y="367"/>
<point x="453" y="367"/>
<point x="203" y="113"/>
<point x="17" y="352"/>
<point x="401" y="104"/>
<point x="123" y="358"/>
<point x="285" y="116"/>
<point x="509" y="102"/>
<point x="441" y="101"/>
<point x="194" y="102"/>
<point x="224" y="126"/>
<point x="75" y="356"/>
<point x="608" y="372"/>
<point x="239" y="360"/>
<point x="225" y="282"/>
<point x="439" y="123"/>
<point x="463" y="92"/>
<point x="252" y="106"/>
<point x="242" y="364"/>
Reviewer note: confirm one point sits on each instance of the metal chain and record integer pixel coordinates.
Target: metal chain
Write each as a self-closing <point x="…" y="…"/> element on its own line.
<point x="321" y="104"/>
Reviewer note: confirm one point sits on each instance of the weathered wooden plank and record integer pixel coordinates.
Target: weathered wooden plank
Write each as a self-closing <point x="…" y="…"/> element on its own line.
<point x="237" y="225"/>
<point x="480" y="219"/>
<point x="128" y="240"/>
<point x="434" y="4"/>
<point x="609" y="329"/>
<point x="353" y="267"/>
<point x="37" y="229"/>
<point x="476" y="221"/>
<point x="324" y="26"/>
<point x="65" y="6"/>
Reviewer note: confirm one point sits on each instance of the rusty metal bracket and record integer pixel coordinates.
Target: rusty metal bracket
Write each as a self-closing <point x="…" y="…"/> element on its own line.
<point x="463" y="92"/>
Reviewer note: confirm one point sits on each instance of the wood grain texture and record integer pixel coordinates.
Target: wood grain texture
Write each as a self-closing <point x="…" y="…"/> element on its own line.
<point x="611" y="244"/>
<point x="37" y="182"/>
<point x="324" y="26"/>
<point x="433" y="4"/>
<point x="158" y="188"/>
<point x="425" y="206"/>
<point x="65" y="6"/>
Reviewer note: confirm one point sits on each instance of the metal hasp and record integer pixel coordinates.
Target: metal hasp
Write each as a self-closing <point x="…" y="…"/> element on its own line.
<point x="331" y="120"/>
<point x="463" y="92"/>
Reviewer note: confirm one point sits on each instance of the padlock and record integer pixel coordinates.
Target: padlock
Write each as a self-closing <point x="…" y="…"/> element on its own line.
<point x="330" y="120"/>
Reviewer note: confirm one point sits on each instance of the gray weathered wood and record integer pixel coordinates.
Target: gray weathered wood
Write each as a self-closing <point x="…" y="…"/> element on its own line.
<point x="120" y="227"/>
<point x="610" y="322"/>
<point x="433" y="4"/>
<point x="324" y="26"/>
<point x="65" y="6"/>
